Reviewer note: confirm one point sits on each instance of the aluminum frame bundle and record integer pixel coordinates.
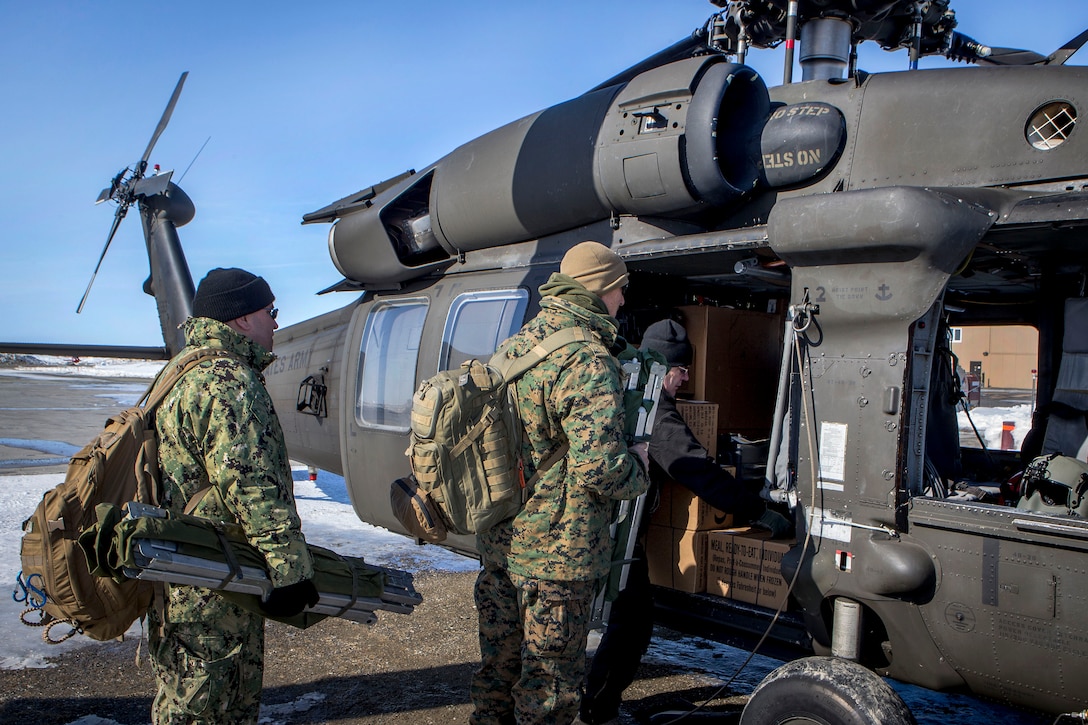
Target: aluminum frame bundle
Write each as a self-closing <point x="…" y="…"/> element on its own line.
<point x="161" y="561"/>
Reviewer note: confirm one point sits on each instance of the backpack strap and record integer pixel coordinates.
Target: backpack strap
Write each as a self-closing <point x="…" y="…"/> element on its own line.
<point x="196" y="498"/>
<point x="514" y="368"/>
<point x="547" y="463"/>
<point x="173" y="372"/>
<point x="490" y="414"/>
<point x="165" y="381"/>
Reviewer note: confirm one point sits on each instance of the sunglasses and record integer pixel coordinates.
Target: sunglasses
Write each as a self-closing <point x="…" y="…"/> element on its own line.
<point x="273" y="311"/>
<point x="681" y="368"/>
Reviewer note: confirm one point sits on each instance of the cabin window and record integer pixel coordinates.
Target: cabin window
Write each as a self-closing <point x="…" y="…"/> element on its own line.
<point x="1049" y="127"/>
<point x="388" y="357"/>
<point x="478" y="322"/>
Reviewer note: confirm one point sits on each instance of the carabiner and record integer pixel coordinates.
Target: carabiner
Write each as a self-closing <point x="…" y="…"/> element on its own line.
<point x="26" y="591"/>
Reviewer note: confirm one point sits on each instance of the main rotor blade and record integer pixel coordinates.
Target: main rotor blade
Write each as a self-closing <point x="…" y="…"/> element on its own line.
<point x="1058" y="57"/>
<point x="1012" y="56"/>
<point x="165" y="118"/>
<point x="117" y="217"/>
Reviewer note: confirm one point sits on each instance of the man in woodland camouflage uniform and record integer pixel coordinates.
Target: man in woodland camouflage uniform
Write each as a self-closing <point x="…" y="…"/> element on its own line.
<point x="675" y="454"/>
<point x="219" y="437"/>
<point x="541" y="568"/>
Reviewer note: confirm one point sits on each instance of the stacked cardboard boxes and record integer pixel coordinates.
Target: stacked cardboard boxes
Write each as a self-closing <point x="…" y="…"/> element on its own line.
<point x="679" y="508"/>
<point x="734" y="377"/>
<point x="743" y="563"/>
<point x="676" y="536"/>
<point x="676" y="558"/>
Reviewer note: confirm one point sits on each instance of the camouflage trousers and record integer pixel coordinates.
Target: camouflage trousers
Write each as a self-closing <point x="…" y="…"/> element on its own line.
<point x="532" y="649"/>
<point x="208" y="671"/>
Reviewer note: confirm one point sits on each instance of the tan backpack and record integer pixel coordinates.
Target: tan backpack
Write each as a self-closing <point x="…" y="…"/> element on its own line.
<point x="466" y="446"/>
<point x="120" y="465"/>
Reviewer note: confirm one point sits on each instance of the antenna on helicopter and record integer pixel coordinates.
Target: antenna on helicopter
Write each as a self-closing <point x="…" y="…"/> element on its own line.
<point x="195" y="157"/>
<point x="130" y="183"/>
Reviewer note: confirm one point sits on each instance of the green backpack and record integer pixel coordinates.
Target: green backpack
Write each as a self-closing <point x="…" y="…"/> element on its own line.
<point x="466" y="446"/>
<point x="119" y="465"/>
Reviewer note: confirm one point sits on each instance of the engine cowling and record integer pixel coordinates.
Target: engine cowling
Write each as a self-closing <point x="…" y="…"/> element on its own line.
<point x="675" y="140"/>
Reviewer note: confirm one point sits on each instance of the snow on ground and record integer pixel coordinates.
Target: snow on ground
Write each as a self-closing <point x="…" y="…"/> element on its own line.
<point x="99" y="367"/>
<point x="989" y="422"/>
<point x="328" y="519"/>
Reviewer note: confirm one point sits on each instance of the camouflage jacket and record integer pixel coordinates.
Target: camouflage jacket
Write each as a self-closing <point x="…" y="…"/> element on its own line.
<point x="574" y="395"/>
<point x="218" y="427"/>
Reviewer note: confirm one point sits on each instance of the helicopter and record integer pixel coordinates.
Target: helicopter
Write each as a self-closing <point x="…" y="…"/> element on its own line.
<point x="833" y="229"/>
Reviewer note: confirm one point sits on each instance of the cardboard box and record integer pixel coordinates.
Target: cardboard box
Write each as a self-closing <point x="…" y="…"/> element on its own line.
<point x="719" y="563"/>
<point x="676" y="558"/>
<point x="737" y="354"/>
<point x="772" y="584"/>
<point x="679" y="508"/>
<point x="747" y="551"/>
<point x="745" y="564"/>
<point x="702" y="418"/>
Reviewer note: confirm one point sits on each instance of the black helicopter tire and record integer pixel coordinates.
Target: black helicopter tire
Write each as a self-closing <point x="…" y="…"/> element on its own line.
<point x="825" y="691"/>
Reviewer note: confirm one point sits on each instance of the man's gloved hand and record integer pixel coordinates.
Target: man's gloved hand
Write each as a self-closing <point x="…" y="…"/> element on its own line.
<point x="774" y="522"/>
<point x="291" y="600"/>
<point x="642" y="452"/>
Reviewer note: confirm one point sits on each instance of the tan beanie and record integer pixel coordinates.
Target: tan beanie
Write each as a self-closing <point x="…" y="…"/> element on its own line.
<point x="595" y="266"/>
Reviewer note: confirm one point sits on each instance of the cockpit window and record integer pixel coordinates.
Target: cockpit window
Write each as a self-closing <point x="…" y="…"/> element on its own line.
<point x="478" y="322"/>
<point x="388" y="356"/>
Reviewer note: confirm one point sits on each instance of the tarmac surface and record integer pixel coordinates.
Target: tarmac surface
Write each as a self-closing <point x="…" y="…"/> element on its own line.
<point x="55" y="408"/>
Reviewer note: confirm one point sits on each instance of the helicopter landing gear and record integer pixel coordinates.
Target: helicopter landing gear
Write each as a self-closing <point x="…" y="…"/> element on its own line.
<point x="825" y="691"/>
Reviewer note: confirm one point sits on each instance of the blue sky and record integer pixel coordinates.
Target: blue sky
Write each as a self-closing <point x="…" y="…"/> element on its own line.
<point x="304" y="103"/>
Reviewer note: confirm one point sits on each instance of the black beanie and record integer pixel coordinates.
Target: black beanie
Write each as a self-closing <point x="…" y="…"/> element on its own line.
<point x="670" y="339"/>
<point x="227" y="294"/>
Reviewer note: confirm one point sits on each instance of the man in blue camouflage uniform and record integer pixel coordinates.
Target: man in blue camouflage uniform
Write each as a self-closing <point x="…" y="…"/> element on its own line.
<point x="541" y="568"/>
<point x="221" y="446"/>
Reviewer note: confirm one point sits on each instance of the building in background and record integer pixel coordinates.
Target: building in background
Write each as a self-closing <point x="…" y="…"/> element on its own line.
<point x="998" y="357"/>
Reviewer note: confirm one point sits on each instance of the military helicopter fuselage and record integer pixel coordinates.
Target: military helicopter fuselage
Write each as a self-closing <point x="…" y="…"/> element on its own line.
<point x="894" y="209"/>
<point x="860" y="217"/>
